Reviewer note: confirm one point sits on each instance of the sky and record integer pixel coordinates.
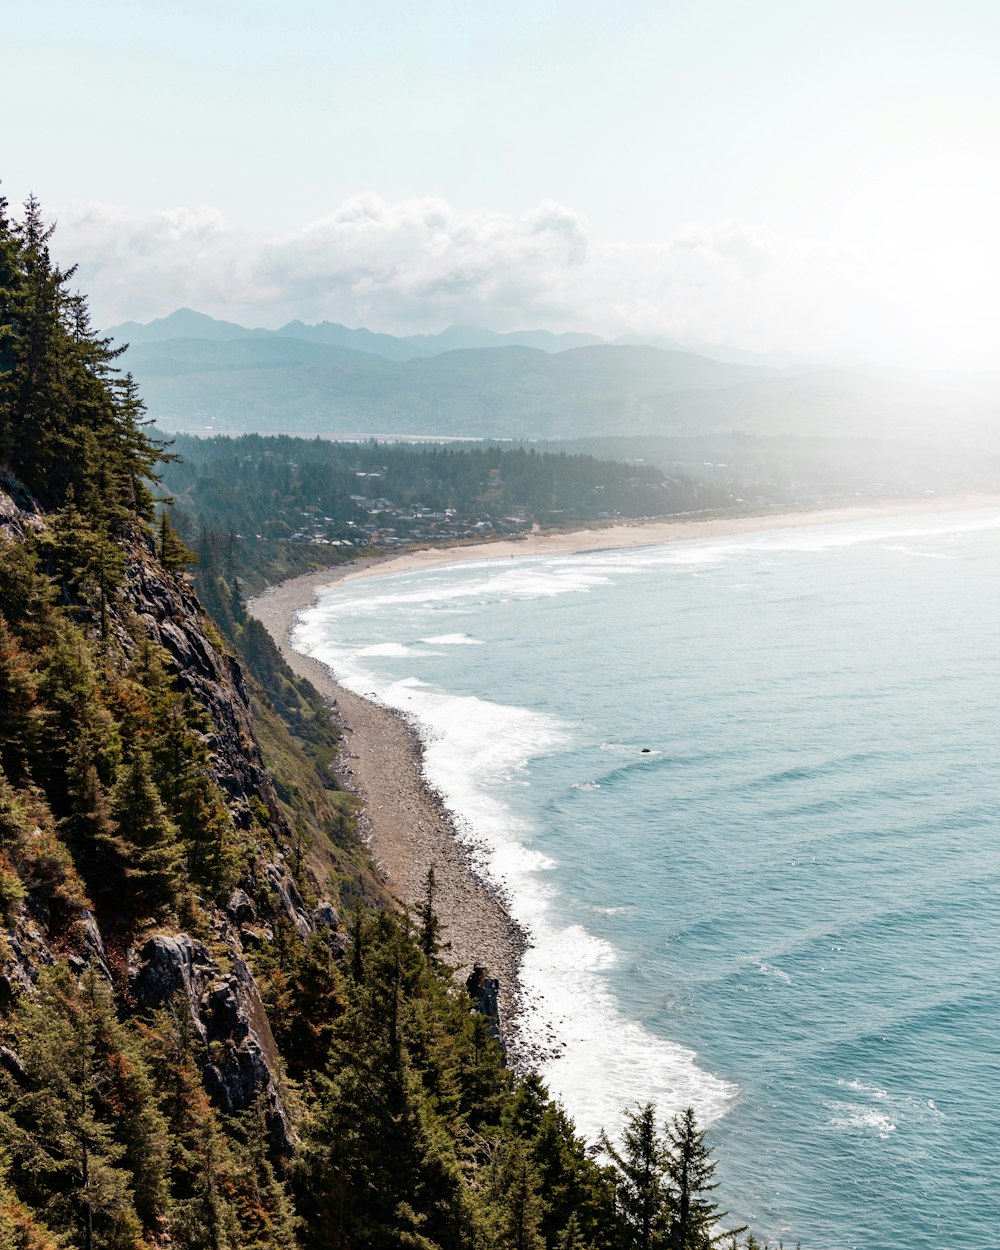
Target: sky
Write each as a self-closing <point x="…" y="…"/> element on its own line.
<point x="818" y="177"/>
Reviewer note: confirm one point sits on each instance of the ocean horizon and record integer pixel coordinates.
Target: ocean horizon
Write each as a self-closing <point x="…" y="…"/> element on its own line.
<point x="742" y="793"/>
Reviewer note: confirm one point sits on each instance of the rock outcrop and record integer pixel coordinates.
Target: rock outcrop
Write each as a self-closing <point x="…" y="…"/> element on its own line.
<point x="228" y="1019"/>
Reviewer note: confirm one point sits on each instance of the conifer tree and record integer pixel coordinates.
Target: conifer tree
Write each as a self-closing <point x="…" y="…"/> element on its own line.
<point x="13" y="813"/>
<point x="148" y="838"/>
<point x="381" y="1168"/>
<point x="515" y="1205"/>
<point x="643" y="1198"/>
<point x="263" y="1208"/>
<point x="571" y="1237"/>
<point x="87" y="1143"/>
<point x="174" y="553"/>
<point x="18" y="694"/>
<point x="65" y="419"/>
<point x="429" y="930"/>
<point x="690" y="1169"/>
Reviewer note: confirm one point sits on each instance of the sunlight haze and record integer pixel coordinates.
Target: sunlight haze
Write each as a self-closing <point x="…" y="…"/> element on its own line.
<point x="811" y="178"/>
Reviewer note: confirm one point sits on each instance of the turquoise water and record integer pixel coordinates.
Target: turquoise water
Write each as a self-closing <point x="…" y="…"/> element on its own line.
<point x="786" y="912"/>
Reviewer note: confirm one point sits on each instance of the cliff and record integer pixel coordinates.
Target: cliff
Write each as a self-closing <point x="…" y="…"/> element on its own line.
<point x="201" y="967"/>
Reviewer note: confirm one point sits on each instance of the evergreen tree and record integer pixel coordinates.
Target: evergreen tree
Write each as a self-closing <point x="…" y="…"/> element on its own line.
<point x="86" y="1140"/>
<point x="147" y="837"/>
<point x="18" y="695"/>
<point x="380" y="1166"/>
<point x="65" y="419"/>
<point x="13" y="813"/>
<point x="174" y="553"/>
<point x="571" y="1237"/>
<point x="514" y="1206"/>
<point x="644" y="1205"/>
<point x="690" y="1169"/>
<point x="429" y="931"/>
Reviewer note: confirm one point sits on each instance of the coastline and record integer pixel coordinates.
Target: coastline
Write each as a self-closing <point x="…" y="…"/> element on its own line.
<point x="405" y="823"/>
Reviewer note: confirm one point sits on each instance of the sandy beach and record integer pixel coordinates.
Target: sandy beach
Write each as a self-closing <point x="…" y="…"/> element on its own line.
<point x="405" y="822"/>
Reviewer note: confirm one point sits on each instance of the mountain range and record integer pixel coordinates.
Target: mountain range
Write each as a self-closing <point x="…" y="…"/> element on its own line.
<point x="186" y="323"/>
<point x="197" y="373"/>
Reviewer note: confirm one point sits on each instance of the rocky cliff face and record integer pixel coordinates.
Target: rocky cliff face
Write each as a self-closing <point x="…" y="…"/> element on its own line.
<point x="211" y="980"/>
<point x="172" y="618"/>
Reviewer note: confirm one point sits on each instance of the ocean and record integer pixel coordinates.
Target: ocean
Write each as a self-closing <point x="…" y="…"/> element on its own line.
<point x="745" y="795"/>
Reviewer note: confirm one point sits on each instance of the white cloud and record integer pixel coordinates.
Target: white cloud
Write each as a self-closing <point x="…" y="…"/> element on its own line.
<point x="420" y="264"/>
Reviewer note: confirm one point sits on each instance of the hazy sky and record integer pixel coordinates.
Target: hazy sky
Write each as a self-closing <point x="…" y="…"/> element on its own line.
<point x="815" y="175"/>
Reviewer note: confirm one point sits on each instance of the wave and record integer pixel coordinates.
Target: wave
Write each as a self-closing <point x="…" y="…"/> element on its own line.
<point x="394" y="650"/>
<point x="452" y="640"/>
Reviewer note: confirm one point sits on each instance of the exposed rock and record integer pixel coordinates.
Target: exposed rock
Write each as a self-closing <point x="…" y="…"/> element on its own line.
<point x="240" y="908"/>
<point x="11" y="1064"/>
<point x="230" y="1024"/>
<point x="324" y="916"/>
<point x="282" y="885"/>
<point x="29" y="953"/>
<point x="171" y="615"/>
<point x="253" y="936"/>
<point x="92" y="944"/>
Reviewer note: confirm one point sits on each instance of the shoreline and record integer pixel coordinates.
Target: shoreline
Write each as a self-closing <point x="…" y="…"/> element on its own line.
<point x="405" y="822"/>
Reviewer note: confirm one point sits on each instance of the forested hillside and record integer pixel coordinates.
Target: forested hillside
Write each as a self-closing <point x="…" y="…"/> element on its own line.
<point x="216" y="1032"/>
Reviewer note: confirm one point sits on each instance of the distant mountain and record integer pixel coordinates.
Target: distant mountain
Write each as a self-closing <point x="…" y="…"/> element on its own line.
<point x="361" y="340"/>
<point x="274" y="382"/>
<point x="187" y="324"/>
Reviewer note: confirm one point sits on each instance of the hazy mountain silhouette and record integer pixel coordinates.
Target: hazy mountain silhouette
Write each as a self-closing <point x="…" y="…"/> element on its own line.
<point x="281" y="381"/>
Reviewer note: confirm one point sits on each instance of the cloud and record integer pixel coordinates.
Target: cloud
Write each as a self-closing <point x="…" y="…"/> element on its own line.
<point x="420" y="264"/>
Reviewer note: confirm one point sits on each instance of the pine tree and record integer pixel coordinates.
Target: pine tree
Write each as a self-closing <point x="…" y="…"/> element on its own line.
<point x="263" y="1208"/>
<point x="690" y="1169"/>
<point x="379" y="1164"/>
<point x="514" y="1202"/>
<point x="644" y="1205"/>
<point x="13" y="813"/>
<point x="148" y="838"/>
<point x="66" y="421"/>
<point x="174" y="553"/>
<point x="571" y="1237"/>
<point x="18" y="695"/>
<point x="429" y="930"/>
<point x="87" y="1143"/>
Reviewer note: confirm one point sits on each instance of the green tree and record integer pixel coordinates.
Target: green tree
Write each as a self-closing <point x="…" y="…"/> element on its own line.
<point x="13" y="813"/>
<point x="379" y="1164"/>
<point x="644" y="1205"/>
<point x="514" y="1205"/>
<point x="83" y="1131"/>
<point x="147" y="839"/>
<point x="18" y="695"/>
<point x="690" y="1169"/>
<point x="429" y="923"/>
<point x="174" y="553"/>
